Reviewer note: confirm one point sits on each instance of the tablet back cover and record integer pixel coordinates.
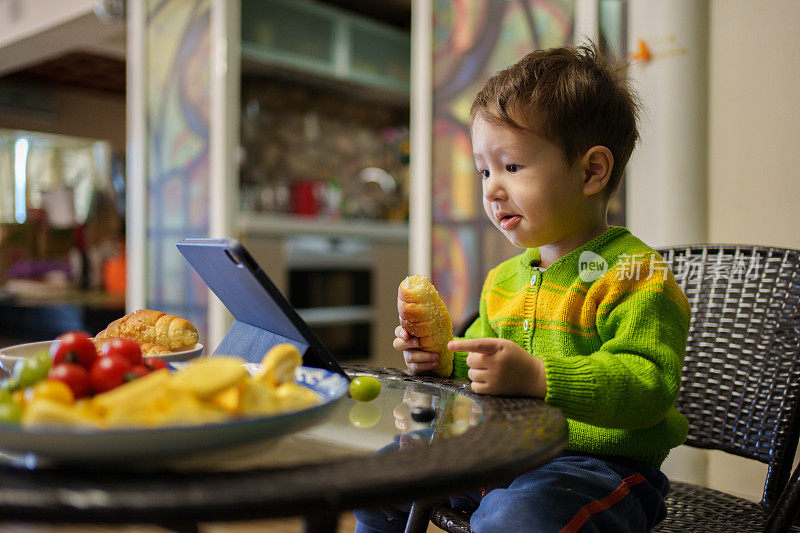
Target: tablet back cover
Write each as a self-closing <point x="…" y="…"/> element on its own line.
<point x="263" y="317"/>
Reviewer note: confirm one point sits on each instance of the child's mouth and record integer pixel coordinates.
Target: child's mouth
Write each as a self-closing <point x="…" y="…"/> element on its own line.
<point x="509" y="221"/>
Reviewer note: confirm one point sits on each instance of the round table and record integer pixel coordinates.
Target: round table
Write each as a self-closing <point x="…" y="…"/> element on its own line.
<point x="474" y="441"/>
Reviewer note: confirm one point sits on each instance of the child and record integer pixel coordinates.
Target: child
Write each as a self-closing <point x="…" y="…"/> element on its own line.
<point x="588" y="317"/>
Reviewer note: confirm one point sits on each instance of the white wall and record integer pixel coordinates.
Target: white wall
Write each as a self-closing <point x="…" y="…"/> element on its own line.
<point x="754" y="160"/>
<point x="666" y="186"/>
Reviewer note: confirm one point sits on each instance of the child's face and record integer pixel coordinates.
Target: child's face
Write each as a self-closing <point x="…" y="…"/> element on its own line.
<point x="530" y="192"/>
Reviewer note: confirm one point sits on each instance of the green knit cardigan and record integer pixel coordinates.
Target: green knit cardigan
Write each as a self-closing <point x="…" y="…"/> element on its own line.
<point x="610" y="323"/>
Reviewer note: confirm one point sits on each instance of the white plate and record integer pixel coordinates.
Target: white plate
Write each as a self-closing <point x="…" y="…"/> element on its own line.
<point x="131" y="446"/>
<point x="9" y="356"/>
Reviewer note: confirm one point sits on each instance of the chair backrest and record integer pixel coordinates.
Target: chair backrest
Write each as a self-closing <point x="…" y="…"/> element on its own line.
<point x="740" y="387"/>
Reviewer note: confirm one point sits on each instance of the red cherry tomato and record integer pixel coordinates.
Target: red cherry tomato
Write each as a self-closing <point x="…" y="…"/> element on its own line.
<point x="73" y="376"/>
<point x="154" y="363"/>
<point x="127" y="349"/>
<point x="136" y="372"/>
<point x="108" y="372"/>
<point x="73" y="347"/>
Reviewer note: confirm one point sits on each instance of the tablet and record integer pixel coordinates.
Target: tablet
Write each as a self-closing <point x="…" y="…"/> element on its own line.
<point x="262" y="316"/>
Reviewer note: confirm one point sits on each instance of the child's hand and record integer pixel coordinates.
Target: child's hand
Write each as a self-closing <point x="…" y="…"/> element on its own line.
<point x="501" y="366"/>
<point x="417" y="360"/>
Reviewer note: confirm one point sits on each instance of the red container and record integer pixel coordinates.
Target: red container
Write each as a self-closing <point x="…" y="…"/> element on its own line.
<point x="305" y="197"/>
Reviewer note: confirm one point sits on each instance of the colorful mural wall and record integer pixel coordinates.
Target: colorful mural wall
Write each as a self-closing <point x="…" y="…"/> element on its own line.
<point x="178" y="67"/>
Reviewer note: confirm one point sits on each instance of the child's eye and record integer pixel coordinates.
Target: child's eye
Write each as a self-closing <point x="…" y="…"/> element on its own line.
<point x="512" y="168"/>
<point x="484" y="173"/>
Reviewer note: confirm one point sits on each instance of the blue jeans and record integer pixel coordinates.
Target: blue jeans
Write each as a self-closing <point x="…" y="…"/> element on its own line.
<point x="573" y="492"/>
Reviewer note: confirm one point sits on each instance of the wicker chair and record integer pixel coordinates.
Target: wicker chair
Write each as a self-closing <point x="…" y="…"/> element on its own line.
<point x="740" y="385"/>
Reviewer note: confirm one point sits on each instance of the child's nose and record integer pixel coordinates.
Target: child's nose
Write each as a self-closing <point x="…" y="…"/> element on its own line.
<point x="493" y="189"/>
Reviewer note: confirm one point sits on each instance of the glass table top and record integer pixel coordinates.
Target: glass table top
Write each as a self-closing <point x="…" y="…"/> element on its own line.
<point x="404" y="414"/>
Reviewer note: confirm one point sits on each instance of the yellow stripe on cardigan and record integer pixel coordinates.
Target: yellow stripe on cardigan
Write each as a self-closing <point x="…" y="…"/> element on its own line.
<point x="497" y="305"/>
<point x="571" y="309"/>
<point x="612" y="288"/>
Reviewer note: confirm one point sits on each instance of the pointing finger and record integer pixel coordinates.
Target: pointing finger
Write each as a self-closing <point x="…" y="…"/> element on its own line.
<point x="484" y="346"/>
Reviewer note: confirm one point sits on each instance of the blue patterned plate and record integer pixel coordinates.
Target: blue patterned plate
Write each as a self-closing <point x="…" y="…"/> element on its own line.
<point x="77" y="445"/>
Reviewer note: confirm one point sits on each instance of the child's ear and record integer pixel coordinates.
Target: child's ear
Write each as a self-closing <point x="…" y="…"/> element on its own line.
<point x="597" y="163"/>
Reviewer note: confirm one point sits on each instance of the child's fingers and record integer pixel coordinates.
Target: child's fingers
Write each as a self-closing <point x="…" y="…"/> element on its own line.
<point x="404" y="341"/>
<point x="477" y="361"/>
<point x="419" y="368"/>
<point x="404" y="345"/>
<point x="419" y="356"/>
<point x="418" y="361"/>
<point x="480" y="387"/>
<point x="478" y="379"/>
<point x="401" y="333"/>
<point x="485" y="346"/>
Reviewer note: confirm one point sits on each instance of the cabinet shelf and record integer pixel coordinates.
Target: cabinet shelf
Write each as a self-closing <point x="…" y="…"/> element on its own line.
<point x="325" y="42"/>
<point x="273" y="224"/>
<point x="328" y="316"/>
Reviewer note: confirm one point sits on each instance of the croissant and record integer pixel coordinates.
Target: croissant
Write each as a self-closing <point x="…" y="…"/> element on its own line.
<point x="148" y="326"/>
<point x="424" y="315"/>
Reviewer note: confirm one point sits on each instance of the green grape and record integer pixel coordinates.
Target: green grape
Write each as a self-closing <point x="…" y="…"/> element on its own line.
<point x="365" y="388"/>
<point x="10" y="413"/>
<point x="44" y="357"/>
<point x="30" y="370"/>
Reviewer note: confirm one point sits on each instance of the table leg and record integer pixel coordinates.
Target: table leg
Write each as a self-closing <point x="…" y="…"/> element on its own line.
<point x="418" y="517"/>
<point x="321" y="523"/>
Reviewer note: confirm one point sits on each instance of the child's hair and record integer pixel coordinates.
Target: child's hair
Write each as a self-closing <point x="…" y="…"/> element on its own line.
<point x="570" y="96"/>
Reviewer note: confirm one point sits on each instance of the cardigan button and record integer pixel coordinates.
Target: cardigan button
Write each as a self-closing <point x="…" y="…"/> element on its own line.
<point x="526" y="325"/>
<point x="533" y="279"/>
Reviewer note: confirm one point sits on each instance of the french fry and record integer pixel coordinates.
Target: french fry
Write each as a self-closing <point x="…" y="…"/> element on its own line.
<point x="132" y="394"/>
<point x="294" y="397"/>
<point x="279" y="364"/>
<point x="259" y="398"/>
<point x="49" y="413"/>
<point x="206" y="377"/>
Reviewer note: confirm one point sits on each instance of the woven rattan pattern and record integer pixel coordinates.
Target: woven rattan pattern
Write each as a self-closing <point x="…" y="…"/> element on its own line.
<point x="698" y="509"/>
<point x="740" y="386"/>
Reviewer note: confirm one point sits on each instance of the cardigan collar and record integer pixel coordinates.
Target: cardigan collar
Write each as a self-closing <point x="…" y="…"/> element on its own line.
<point x="533" y="256"/>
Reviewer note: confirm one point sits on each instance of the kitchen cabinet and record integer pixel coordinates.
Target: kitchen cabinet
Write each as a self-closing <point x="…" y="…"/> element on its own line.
<point x="342" y="277"/>
<point x="326" y="42"/>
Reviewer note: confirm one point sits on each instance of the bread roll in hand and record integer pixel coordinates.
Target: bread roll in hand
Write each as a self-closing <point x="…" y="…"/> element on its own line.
<point x="424" y="315"/>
